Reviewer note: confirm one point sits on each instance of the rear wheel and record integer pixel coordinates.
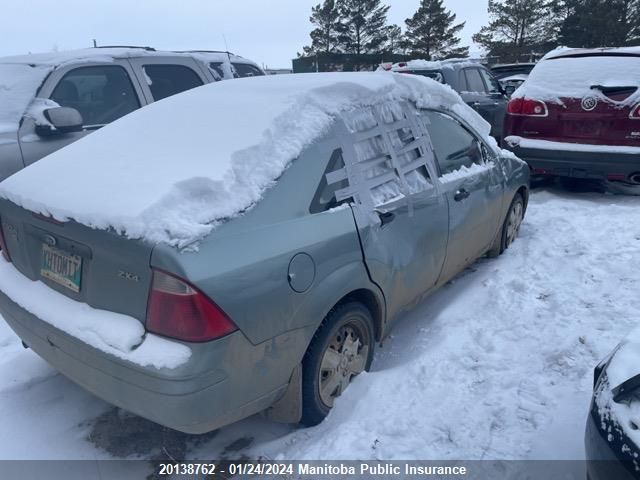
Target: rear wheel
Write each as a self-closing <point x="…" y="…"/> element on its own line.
<point x="510" y="228"/>
<point x="341" y="349"/>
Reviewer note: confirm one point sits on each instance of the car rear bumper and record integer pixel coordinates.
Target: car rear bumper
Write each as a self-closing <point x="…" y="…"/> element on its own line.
<point x="588" y="165"/>
<point x="197" y="397"/>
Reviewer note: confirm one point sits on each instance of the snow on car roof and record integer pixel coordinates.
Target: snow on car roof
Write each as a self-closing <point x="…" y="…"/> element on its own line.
<point x="212" y="56"/>
<point x="571" y="72"/>
<point x="171" y="171"/>
<point x="55" y="59"/>
<point x="431" y="64"/>
<point x="568" y="51"/>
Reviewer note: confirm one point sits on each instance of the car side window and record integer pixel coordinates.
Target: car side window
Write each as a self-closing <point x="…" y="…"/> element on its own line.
<point x="454" y="146"/>
<point x="246" y="70"/>
<point x="385" y="152"/>
<point x="224" y="70"/>
<point x="167" y="80"/>
<point x="492" y="83"/>
<point x="101" y="94"/>
<point x="325" y="196"/>
<point x="474" y="80"/>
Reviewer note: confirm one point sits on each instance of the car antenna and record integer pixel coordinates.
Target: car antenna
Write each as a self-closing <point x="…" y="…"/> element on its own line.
<point x="226" y="47"/>
<point x="95" y="44"/>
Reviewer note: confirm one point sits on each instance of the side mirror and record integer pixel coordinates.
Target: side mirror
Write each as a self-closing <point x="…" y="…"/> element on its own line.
<point x="61" y="120"/>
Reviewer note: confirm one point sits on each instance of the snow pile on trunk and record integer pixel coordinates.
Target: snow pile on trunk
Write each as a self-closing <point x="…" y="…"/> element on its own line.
<point x="18" y="86"/>
<point x="171" y="171"/>
<point x="558" y="77"/>
<point x="112" y="333"/>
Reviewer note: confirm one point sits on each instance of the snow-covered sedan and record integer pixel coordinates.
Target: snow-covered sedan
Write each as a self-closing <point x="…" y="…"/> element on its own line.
<point x="243" y="246"/>
<point x="612" y="438"/>
<point x="578" y="115"/>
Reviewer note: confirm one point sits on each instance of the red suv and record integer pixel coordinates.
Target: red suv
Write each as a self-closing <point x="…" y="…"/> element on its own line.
<point x="577" y="115"/>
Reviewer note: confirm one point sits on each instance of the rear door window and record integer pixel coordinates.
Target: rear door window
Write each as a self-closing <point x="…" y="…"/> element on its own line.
<point x="247" y="70"/>
<point x="454" y="146"/>
<point x="474" y="80"/>
<point x="167" y="80"/>
<point x="101" y="94"/>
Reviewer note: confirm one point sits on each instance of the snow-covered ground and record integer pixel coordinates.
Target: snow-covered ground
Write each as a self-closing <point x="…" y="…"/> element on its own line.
<point x="496" y="365"/>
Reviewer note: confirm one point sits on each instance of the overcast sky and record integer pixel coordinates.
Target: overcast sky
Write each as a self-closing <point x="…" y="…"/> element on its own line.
<point x="267" y="31"/>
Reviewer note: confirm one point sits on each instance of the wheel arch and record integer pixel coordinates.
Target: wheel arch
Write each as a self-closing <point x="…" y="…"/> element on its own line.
<point x="372" y="303"/>
<point x="524" y="191"/>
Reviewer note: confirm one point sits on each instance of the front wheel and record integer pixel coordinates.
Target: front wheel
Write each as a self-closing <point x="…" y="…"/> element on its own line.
<point x="341" y="349"/>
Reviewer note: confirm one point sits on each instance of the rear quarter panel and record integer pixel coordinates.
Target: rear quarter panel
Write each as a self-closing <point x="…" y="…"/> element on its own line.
<point x="243" y="265"/>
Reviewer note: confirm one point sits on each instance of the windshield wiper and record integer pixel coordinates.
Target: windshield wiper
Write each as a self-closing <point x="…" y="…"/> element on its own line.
<point x="614" y="90"/>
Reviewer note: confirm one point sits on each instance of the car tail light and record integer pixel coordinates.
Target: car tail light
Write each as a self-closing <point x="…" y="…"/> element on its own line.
<point x="528" y="107"/>
<point x="3" y="245"/>
<point x="634" y="114"/>
<point x="178" y="310"/>
<point x="616" y="176"/>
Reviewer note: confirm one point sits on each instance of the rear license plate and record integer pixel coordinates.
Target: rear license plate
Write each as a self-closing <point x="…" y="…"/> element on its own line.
<point x="61" y="267"/>
<point x="584" y="128"/>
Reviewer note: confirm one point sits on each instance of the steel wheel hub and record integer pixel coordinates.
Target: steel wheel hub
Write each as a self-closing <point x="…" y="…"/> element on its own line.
<point x="514" y="222"/>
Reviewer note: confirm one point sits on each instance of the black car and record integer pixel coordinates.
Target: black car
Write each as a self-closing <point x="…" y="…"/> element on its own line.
<point x="476" y="85"/>
<point x="503" y="70"/>
<point x="613" y="425"/>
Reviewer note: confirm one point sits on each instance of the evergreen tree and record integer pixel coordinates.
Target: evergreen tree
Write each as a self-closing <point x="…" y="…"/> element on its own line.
<point x="396" y="41"/>
<point x="324" y="38"/>
<point x="516" y="28"/>
<point x="599" y="23"/>
<point x="364" y="26"/>
<point x="432" y="32"/>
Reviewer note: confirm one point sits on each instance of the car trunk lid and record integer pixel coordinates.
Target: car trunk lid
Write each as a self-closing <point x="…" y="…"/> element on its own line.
<point x="602" y="117"/>
<point x="100" y="268"/>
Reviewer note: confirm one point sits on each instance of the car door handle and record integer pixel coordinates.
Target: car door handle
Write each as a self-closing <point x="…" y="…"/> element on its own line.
<point x="461" y="195"/>
<point x="386" y="217"/>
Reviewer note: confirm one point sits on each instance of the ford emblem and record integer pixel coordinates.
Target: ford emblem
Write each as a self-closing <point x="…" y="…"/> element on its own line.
<point x="49" y="240"/>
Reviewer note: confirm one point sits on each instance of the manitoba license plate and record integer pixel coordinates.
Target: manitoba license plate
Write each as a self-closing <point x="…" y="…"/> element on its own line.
<point x="61" y="267"/>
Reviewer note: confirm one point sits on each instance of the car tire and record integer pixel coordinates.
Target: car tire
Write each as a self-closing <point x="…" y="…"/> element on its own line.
<point x="341" y="348"/>
<point x="510" y="227"/>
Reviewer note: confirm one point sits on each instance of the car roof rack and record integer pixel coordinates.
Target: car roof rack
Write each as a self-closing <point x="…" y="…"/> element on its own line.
<point x="149" y="49"/>
<point x="206" y="51"/>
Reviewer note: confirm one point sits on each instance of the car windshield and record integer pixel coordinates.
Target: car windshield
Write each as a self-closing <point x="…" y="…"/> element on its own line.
<point x="573" y="76"/>
<point x="19" y="83"/>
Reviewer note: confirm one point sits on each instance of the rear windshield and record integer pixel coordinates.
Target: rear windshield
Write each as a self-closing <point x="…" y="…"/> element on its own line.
<point x="18" y="86"/>
<point x="574" y="76"/>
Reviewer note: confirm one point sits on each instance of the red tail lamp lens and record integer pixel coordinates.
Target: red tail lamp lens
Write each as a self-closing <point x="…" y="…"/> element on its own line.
<point x="176" y="309"/>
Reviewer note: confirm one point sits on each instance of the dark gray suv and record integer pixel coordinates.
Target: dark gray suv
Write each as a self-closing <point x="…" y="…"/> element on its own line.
<point x="477" y="86"/>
